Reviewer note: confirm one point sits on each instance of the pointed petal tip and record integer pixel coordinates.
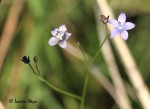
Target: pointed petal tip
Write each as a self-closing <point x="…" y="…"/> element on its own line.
<point x="129" y="25"/>
<point x="68" y="34"/>
<point x="122" y="18"/>
<point x="63" y="28"/>
<point x="63" y="44"/>
<point x="124" y="35"/>
<point x="123" y="13"/>
<point x="53" y="41"/>
<point x="113" y="22"/>
<point x="54" y="31"/>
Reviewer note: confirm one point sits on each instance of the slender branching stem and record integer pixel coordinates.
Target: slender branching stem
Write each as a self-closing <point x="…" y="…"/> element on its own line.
<point x="87" y="73"/>
<point x="32" y="69"/>
<point x="52" y="86"/>
<point x="37" y="68"/>
<point x="59" y="90"/>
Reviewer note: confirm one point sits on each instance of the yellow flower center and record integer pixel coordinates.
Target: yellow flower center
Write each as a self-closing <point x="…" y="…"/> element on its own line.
<point x="60" y="36"/>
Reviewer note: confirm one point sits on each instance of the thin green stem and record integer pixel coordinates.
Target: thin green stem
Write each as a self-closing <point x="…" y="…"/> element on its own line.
<point x="32" y="68"/>
<point x="37" y="68"/>
<point x="99" y="49"/>
<point x="84" y="88"/>
<point x="87" y="73"/>
<point x="59" y="90"/>
<point x="52" y="86"/>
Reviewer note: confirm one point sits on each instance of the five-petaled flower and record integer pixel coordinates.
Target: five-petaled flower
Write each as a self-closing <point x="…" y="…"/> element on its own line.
<point x="121" y="26"/>
<point x="60" y="35"/>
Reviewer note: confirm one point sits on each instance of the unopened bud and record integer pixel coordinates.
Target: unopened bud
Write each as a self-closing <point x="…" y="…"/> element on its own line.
<point x="35" y="59"/>
<point x="25" y="59"/>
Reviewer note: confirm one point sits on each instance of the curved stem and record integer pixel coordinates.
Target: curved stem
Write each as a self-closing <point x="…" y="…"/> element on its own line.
<point x="32" y="69"/>
<point x="87" y="73"/>
<point x="59" y="90"/>
<point x="37" y="68"/>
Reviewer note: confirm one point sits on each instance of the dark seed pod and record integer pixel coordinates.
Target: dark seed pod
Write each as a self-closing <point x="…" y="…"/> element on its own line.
<point x="26" y="59"/>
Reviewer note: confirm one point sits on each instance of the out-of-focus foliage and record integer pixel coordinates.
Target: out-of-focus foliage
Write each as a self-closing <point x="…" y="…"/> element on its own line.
<point x="58" y="67"/>
<point x="132" y="6"/>
<point x="139" y="43"/>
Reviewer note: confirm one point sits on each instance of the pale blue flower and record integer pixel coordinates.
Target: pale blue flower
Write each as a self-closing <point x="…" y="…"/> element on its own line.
<point x="121" y="26"/>
<point x="60" y="35"/>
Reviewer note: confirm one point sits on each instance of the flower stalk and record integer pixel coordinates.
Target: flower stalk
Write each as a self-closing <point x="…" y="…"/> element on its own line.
<point x="26" y="60"/>
<point x="59" y="90"/>
<point x="87" y="73"/>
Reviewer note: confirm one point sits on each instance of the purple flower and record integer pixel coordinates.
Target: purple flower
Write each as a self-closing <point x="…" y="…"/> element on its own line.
<point x="121" y="26"/>
<point x="60" y="35"/>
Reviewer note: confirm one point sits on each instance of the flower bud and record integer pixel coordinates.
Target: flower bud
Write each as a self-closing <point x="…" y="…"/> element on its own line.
<point x="25" y="59"/>
<point x="35" y="59"/>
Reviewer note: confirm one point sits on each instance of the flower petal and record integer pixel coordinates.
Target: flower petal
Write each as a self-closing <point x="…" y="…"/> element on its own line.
<point x="114" y="33"/>
<point x="124" y="34"/>
<point x="54" y="32"/>
<point x="128" y="25"/>
<point x="63" y="44"/>
<point x="68" y="35"/>
<point x="62" y="28"/>
<point x="122" y="18"/>
<point x="53" y="41"/>
<point x="113" y="22"/>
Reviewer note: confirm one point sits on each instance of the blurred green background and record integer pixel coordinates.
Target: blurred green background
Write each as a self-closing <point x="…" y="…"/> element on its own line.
<point x="30" y="37"/>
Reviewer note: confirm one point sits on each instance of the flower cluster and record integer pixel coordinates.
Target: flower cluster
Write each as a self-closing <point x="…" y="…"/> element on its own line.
<point x="60" y="35"/>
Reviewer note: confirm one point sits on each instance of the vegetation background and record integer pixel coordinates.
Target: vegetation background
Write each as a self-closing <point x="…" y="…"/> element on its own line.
<point x="25" y="28"/>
